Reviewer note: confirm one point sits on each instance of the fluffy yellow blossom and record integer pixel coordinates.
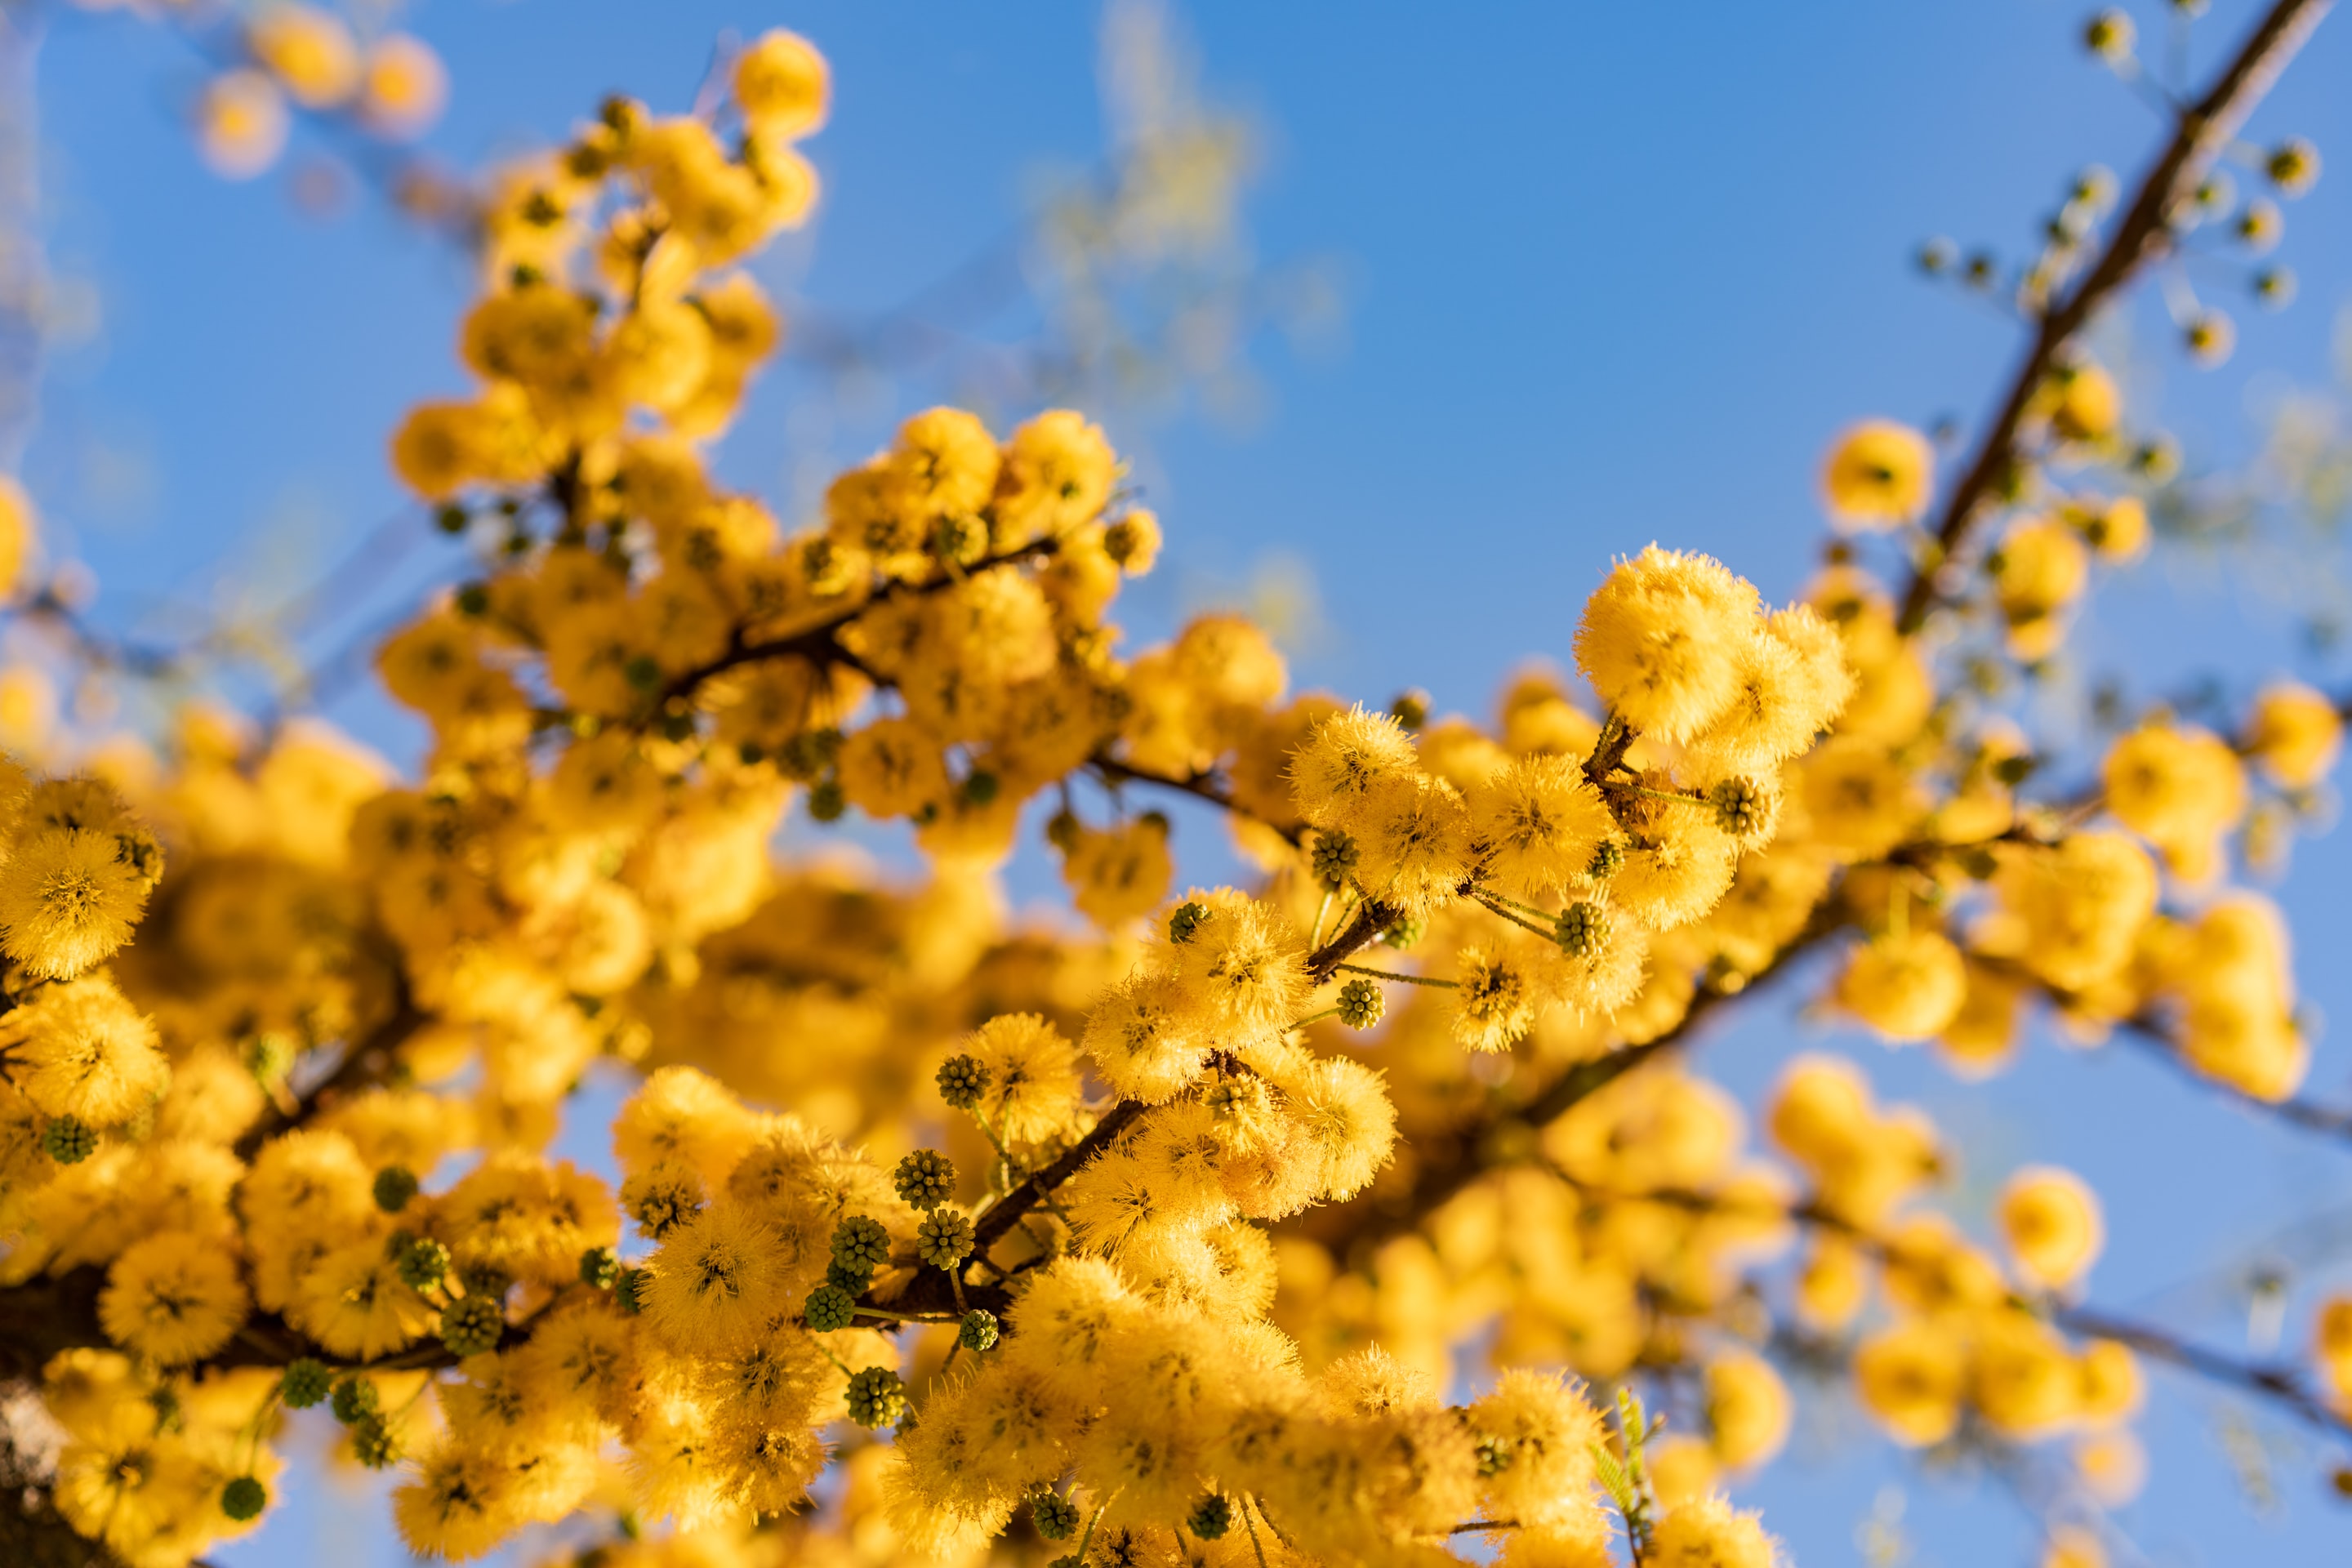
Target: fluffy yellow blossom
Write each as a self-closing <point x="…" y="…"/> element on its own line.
<point x="1877" y="476"/>
<point x="2051" y="1222"/>
<point x="1660" y="638"/>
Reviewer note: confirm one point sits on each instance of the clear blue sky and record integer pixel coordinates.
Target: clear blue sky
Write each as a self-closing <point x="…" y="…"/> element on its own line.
<point x="1616" y="273"/>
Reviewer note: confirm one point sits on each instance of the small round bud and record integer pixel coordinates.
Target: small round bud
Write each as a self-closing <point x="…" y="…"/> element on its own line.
<point x="1741" y="808"/>
<point x="2275" y="287"/>
<point x="2093" y="189"/>
<point x="625" y="1290"/>
<point x="826" y="802"/>
<point x="451" y="518"/>
<point x="244" y="1499"/>
<point x="2110" y="36"/>
<point x="473" y="1325"/>
<point x="963" y="1080"/>
<point x="422" y="1264"/>
<point x="926" y="1179"/>
<point x="1979" y="270"/>
<point x="1211" y="1517"/>
<point x="373" y="1445"/>
<point x="482" y="1279"/>
<point x="2214" y="195"/>
<point x="68" y="1140"/>
<point x="810" y="752"/>
<point x="1333" y="860"/>
<point x="979" y="786"/>
<point x="2293" y="166"/>
<point x="1061" y="831"/>
<point x="1404" y="933"/>
<point x="977" y="1331"/>
<point x="642" y="671"/>
<point x="860" y="1247"/>
<point x="600" y="1269"/>
<point x="2209" y="337"/>
<point x="677" y="726"/>
<point x="1411" y="708"/>
<point x="2157" y="458"/>
<point x="354" y="1400"/>
<point x="395" y="1185"/>
<point x="1188" y="919"/>
<point x="1608" y="860"/>
<point x="304" y="1383"/>
<point x="1362" y="1003"/>
<point x="829" y="1307"/>
<point x="2260" y="226"/>
<point x="1937" y="257"/>
<point x="1497" y="1455"/>
<point x="474" y="599"/>
<point x="875" y="1396"/>
<point x="944" y="1238"/>
<point x="1580" y="930"/>
<point x="1056" y="1516"/>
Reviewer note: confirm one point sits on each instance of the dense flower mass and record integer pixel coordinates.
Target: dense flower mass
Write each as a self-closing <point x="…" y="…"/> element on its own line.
<point x="1344" y="1216"/>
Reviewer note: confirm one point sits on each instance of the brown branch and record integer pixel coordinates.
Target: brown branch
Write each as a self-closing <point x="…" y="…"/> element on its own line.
<point x="367" y="1060"/>
<point x="2143" y="235"/>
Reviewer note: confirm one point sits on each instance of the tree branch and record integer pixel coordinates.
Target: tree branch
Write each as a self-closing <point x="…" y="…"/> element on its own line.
<point x="2143" y="235"/>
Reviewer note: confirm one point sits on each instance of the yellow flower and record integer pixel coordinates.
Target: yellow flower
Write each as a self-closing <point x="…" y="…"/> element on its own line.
<point x="1910" y="1377"/>
<point x="1660" y="640"/>
<point x="402" y="85"/>
<point x="782" y="84"/>
<point x="2051" y="1222"/>
<point x="241" y="123"/>
<point x="79" y="1049"/>
<point x="310" y="50"/>
<point x="1907" y="987"/>
<point x="172" y="1298"/>
<point x="1711" y="1533"/>
<point x="1877" y="475"/>
<point x="2295" y="735"/>
<point x="19" y="531"/>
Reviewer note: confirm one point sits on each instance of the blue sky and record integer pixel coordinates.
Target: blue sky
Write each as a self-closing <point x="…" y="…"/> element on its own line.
<point x="1615" y="273"/>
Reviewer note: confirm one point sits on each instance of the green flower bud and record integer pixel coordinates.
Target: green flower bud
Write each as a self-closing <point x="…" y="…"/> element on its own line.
<point x="625" y="1289"/>
<point x="1211" y="1517"/>
<point x="304" y="1383"/>
<point x="1608" y="860"/>
<point x="68" y="1140"/>
<point x="1404" y="933"/>
<point x="826" y="801"/>
<point x="876" y="1397"/>
<point x="944" y="1238"/>
<point x="1056" y="1516"/>
<point x="1362" y="1003"/>
<point x="373" y="1445"/>
<point x="1497" y="1455"/>
<point x="422" y="1264"/>
<point x="926" y="1179"/>
<point x="1580" y="930"/>
<point x="829" y="1307"/>
<point x="393" y="1188"/>
<point x="473" y="1326"/>
<point x="354" y="1400"/>
<point x="1188" y="919"/>
<point x="860" y="1245"/>
<point x="1333" y="860"/>
<point x="963" y="1080"/>
<point x="600" y="1269"/>
<point x="1741" y="809"/>
<point x="244" y="1499"/>
<point x="977" y="1331"/>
